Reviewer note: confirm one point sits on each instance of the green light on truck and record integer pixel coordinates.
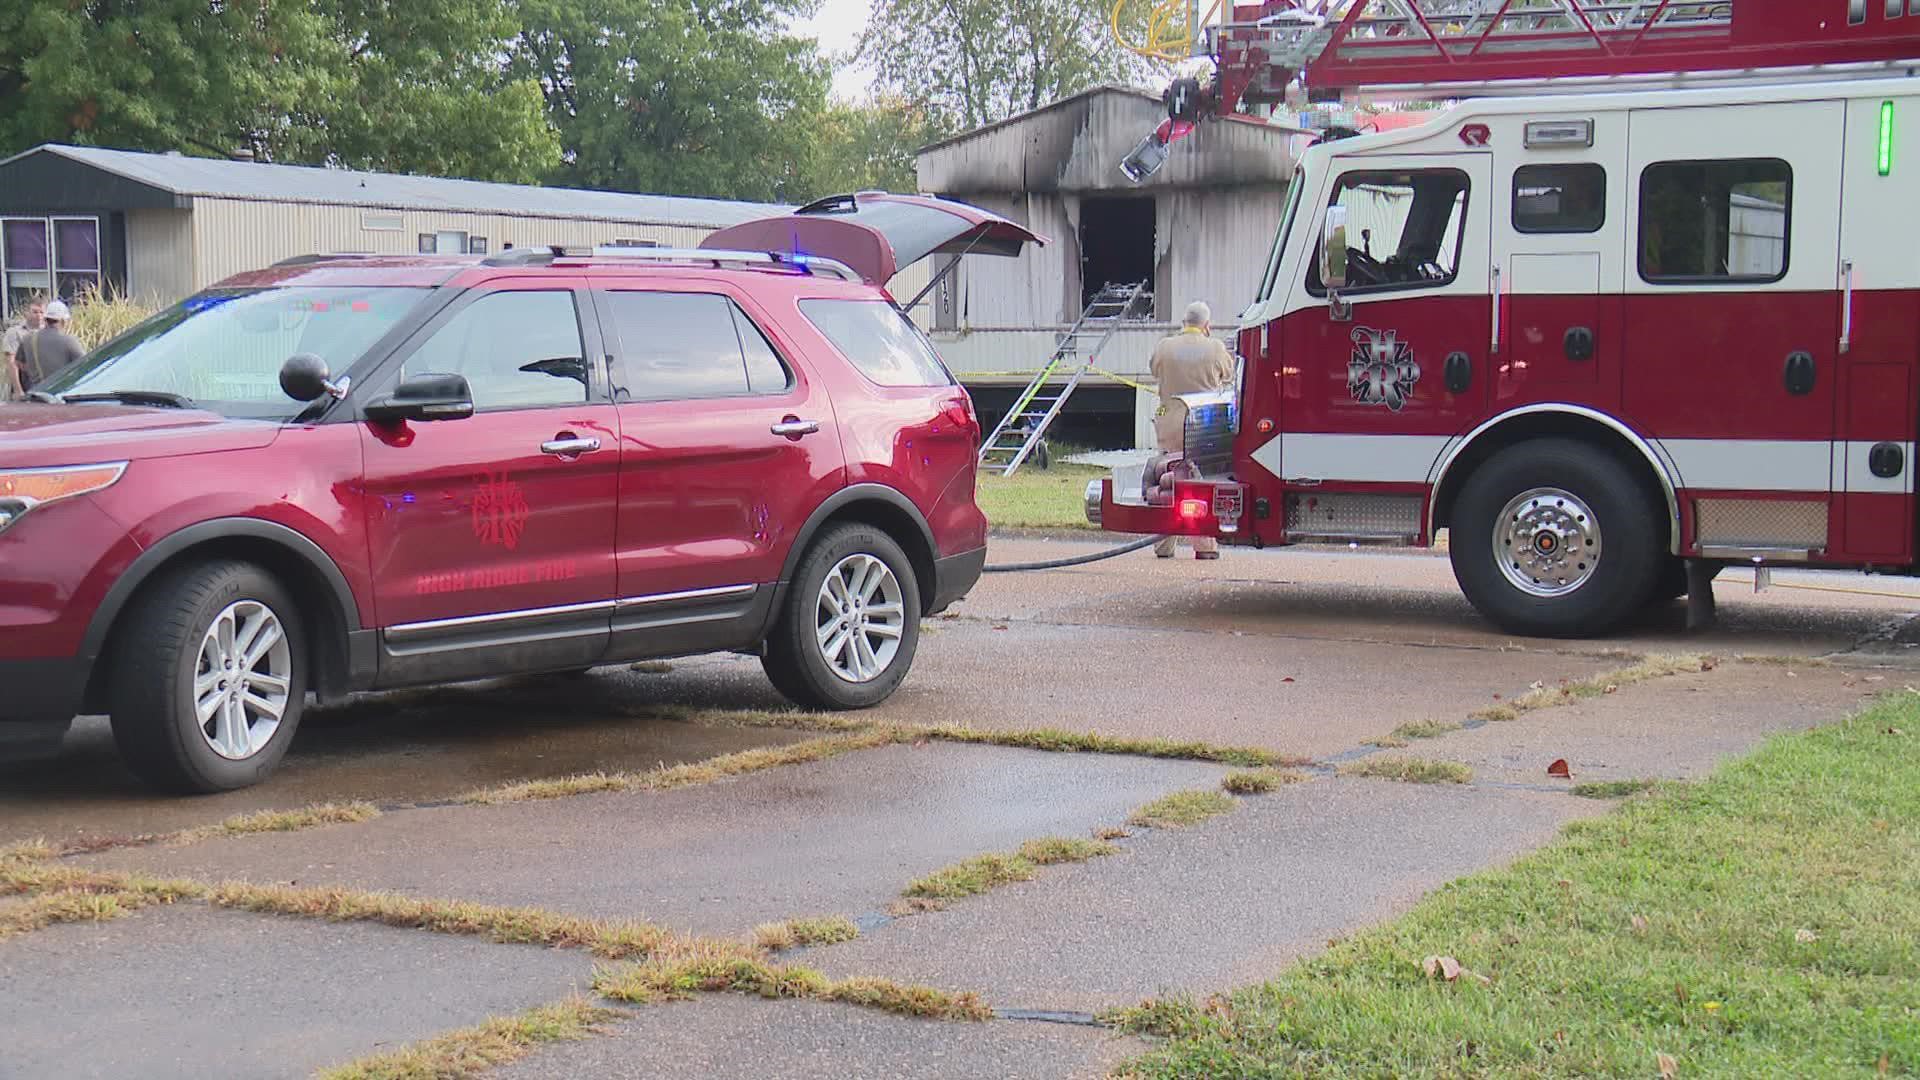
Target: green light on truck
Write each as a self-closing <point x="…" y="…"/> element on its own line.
<point x="1886" y="138"/>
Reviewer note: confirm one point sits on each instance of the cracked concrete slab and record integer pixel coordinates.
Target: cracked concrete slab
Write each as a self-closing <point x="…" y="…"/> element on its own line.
<point x="190" y="992"/>
<point x="1677" y="727"/>
<point x="410" y="746"/>
<point x="1219" y="905"/>
<point x="728" y="1037"/>
<point x="841" y="836"/>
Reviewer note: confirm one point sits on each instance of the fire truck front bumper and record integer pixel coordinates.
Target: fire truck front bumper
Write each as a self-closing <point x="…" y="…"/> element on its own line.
<point x="1193" y="508"/>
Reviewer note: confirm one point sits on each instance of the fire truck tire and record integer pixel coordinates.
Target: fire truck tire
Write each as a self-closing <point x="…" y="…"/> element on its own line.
<point x="1554" y="538"/>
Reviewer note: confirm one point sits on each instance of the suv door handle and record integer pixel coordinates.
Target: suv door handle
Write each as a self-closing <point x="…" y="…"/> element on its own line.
<point x="569" y="446"/>
<point x="793" y="427"/>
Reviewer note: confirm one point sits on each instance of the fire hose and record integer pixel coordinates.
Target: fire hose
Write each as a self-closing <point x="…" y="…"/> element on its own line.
<point x="1077" y="560"/>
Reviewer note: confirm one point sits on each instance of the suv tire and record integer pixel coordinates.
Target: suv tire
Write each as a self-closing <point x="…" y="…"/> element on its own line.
<point x="1578" y="539"/>
<point x="847" y="633"/>
<point x="218" y="640"/>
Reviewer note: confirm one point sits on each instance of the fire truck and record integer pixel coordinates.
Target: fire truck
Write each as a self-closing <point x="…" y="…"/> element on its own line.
<point x="1643" y="303"/>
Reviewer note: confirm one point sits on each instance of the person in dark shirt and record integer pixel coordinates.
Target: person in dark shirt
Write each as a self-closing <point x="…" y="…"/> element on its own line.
<point x="50" y="350"/>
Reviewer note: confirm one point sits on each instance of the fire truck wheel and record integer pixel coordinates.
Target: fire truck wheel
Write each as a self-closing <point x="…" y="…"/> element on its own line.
<point x="1554" y="538"/>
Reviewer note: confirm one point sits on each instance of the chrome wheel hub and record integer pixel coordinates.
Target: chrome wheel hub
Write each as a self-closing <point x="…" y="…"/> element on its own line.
<point x="860" y="618"/>
<point x="1547" y="542"/>
<point x="242" y="680"/>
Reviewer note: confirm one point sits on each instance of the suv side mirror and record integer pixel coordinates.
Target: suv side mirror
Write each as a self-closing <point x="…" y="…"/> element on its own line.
<point x="426" y="396"/>
<point x="1333" y="249"/>
<point x="304" y="377"/>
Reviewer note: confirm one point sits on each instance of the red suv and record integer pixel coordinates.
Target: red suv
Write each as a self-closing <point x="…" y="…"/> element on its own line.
<point x="352" y="473"/>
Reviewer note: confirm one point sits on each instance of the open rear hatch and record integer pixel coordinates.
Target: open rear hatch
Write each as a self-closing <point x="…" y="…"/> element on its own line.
<point x="879" y="234"/>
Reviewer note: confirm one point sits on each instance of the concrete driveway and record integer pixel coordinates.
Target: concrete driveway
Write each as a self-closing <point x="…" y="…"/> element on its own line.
<point x="1304" y="656"/>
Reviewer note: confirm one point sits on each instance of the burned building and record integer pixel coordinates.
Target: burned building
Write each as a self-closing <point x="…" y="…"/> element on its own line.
<point x="1199" y="229"/>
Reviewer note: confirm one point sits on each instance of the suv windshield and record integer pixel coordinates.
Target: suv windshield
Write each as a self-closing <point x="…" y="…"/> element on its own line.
<point x="223" y="351"/>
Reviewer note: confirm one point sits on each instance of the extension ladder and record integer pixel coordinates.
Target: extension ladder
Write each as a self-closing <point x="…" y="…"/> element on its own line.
<point x="1019" y="433"/>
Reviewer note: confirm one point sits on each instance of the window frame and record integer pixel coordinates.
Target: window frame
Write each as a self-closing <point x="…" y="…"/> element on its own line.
<point x="1513" y="213"/>
<point x="940" y="362"/>
<point x="1318" y="288"/>
<point x="1697" y="280"/>
<point x="624" y="375"/>
<point x="395" y="368"/>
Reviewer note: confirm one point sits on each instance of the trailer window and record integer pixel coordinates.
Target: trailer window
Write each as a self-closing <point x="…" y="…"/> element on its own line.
<point x="1403" y="229"/>
<point x="1715" y="221"/>
<point x="1560" y="198"/>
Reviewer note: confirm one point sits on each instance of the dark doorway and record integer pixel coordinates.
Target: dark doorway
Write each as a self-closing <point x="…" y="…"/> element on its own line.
<point x="1116" y="243"/>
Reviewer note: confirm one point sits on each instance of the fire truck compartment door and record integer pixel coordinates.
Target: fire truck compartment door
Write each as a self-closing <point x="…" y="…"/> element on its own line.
<point x="1732" y="307"/>
<point x="1553" y="341"/>
<point x="878" y="234"/>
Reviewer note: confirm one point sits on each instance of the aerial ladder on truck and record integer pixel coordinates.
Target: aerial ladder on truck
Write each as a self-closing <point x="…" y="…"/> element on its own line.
<point x="1279" y="52"/>
<point x="1355" y="474"/>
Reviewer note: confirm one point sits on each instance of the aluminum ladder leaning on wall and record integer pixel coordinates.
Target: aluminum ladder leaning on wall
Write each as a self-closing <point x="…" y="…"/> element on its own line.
<point x="1019" y="433"/>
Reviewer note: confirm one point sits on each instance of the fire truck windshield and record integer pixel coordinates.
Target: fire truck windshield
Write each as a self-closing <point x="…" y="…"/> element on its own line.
<point x="1280" y="237"/>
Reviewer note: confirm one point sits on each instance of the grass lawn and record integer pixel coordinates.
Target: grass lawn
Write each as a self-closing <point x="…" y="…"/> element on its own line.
<point x="1038" y="498"/>
<point x="1764" y="922"/>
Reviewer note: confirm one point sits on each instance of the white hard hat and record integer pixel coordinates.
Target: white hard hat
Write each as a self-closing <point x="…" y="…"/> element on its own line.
<point x="57" y="311"/>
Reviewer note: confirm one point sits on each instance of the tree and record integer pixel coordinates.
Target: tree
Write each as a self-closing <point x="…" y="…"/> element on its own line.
<point x="366" y="83"/>
<point x="868" y="146"/>
<point x="698" y="97"/>
<point x="973" y="62"/>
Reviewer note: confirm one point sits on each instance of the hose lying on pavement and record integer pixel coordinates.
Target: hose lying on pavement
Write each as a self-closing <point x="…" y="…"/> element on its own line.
<point x="1077" y="560"/>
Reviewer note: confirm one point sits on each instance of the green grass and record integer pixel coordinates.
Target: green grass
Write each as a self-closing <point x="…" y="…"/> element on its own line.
<point x="475" y="1051"/>
<point x="1259" y="781"/>
<point x="1759" y="923"/>
<point x="1611" y="789"/>
<point x="1424" y="729"/>
<point x="1038" y="499"/>
<point x="981" y="873"/>
<point x="1409" y="770"/>
<point x="1181" y="809"/>
<point x="796" y="933"/>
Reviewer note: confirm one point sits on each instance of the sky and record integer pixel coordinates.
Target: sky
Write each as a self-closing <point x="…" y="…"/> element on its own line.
<point x="837" y="27"/>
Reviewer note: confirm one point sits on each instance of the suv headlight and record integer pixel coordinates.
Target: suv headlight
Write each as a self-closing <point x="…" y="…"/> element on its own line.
<point x="24" y="490"/>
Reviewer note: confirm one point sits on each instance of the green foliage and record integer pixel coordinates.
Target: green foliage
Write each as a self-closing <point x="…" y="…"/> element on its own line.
<point x="362" y="83"/>
<point x="868" y="146"/>
<point x="693" y="97"/>
<point x="1757" y="924"/>
<point x="973" y="62"/>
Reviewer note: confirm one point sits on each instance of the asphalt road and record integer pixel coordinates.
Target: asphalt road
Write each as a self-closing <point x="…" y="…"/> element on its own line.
<point x="1305" y="653"/>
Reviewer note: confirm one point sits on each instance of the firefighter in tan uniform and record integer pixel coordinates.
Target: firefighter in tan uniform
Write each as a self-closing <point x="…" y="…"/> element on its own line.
<point x="1191" y="361"/>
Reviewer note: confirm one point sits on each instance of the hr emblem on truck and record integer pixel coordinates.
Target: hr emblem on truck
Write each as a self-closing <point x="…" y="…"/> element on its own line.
<point x="1382" y="370"/>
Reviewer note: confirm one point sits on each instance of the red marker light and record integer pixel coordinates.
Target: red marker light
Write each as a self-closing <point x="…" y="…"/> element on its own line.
<point x="362" y="305"/>
<point x="1193" y="509"/>
<point x="317" y="306"/>
<point x="1264" y="427"/>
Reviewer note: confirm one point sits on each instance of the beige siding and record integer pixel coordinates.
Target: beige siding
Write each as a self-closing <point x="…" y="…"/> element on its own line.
<point x="159" y="256"/>
<point x="234" y="235"/>
<point x="1213" y="246"/>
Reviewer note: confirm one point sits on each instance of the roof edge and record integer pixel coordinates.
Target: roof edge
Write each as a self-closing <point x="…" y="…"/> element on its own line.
<point x="1103" y="88"/>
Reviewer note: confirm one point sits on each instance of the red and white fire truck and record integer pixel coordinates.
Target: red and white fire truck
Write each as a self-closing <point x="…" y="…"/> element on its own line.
<point x="1656" y="315"/>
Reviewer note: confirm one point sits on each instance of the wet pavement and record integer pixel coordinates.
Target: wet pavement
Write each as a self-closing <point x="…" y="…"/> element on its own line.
<point x="805" y="1041"/>
<point x="1309" y="653"/>
<point x="189" y="992"/>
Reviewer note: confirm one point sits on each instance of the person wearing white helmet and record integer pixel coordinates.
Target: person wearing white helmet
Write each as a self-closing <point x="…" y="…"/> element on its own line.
<point x="48" y="352"/>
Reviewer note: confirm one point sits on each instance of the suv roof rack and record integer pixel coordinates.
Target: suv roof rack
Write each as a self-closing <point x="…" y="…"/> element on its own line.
<point x="812" y="264"/>
<point x="303" y="260"/>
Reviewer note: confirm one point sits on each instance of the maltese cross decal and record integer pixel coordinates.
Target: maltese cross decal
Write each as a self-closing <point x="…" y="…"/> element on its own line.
<point x="1382" y="370"/>
<point x="499" y="511"/>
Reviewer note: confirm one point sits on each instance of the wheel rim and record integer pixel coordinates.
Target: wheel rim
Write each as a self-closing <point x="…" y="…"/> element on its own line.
<point x="1547" y="542"/>
<point x="242" y="680"/>
<point x="860" y="618"/>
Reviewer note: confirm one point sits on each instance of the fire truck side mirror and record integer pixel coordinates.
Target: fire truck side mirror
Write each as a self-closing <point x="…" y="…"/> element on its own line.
<point x="1333" y="249"/>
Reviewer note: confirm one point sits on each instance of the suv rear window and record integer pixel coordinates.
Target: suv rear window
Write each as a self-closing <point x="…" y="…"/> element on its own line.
<point x="684" y="346"/>
<point x="880" y="341"/>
